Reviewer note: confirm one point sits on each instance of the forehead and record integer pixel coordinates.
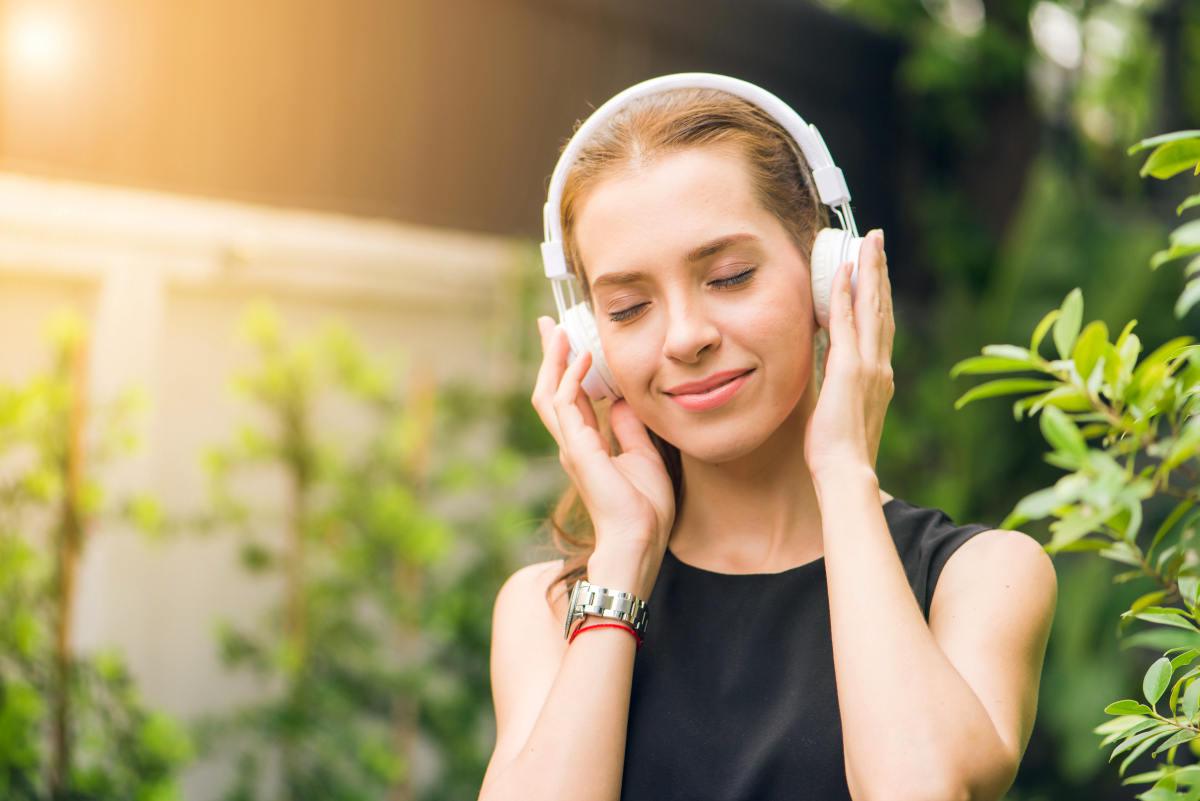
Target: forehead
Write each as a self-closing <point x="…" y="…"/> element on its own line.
<point x="641" y="217"/>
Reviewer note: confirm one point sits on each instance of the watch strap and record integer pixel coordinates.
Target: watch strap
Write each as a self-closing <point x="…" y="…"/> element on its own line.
<point x="592" y="599"/>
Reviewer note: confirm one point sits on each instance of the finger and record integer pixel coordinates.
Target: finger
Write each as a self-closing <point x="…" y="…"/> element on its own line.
<point x="586" y="410"/>
<point x="887" y="327"/>
<point x="630" y="431"/>
<point x="571" y="421"/>
<point x="867" y="303"/>
<point x="548" y="378"/>
<point x="843" y="334"/>
<point x="888" y="334"/>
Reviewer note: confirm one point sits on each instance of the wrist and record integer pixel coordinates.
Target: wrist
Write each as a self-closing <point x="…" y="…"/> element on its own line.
<point x="630" y="570"/>
<point x="846" y="479"/>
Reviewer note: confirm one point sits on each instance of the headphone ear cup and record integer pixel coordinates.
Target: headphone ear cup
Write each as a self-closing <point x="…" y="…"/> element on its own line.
<point x="582" y="335"/>
<point x="832" y="247"/>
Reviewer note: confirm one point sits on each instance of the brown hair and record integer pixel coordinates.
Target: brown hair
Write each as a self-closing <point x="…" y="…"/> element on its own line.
<point x="644" y="129"/>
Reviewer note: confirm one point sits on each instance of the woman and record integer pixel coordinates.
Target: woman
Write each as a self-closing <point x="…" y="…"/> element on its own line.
<point x="795" y="646"/>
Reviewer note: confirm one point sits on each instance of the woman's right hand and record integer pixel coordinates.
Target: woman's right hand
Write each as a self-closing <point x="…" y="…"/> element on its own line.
<point x="628" y="495"/>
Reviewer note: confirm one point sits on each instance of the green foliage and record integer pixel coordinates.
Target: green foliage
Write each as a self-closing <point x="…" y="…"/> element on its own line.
<point x="381" y="633"/>
<point x="71" y="726"/>
<point x="1174" y="153"/>
<point x="1101" y="409"/>
<point x="346" y="547"/>
<point x="1083" y="220"/>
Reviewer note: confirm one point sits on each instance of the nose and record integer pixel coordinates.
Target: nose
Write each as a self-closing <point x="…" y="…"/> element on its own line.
<point x="689" y="332"/>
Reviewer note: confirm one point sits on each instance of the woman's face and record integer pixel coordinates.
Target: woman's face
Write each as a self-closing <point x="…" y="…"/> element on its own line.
<point x="671" y="231"/>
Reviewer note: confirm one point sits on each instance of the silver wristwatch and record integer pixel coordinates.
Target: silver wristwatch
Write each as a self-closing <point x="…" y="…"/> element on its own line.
<point x="592" y="599"/>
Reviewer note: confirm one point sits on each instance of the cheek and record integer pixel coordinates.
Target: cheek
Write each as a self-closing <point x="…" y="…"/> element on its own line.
<point x="631" y="359"/>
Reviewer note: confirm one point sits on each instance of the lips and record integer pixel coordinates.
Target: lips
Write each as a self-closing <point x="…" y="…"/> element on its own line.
<point x="706" y="384"/>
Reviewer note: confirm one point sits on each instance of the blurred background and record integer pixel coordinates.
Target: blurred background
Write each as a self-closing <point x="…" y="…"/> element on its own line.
<point x="268" y="283"/>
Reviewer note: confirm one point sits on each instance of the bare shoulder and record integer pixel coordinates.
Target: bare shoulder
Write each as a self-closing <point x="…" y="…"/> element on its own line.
<point x="527" y="649"/>
<point x="524" y="592"/>
<point x="1006" y="561"/>
<point x="1013" y="548"/>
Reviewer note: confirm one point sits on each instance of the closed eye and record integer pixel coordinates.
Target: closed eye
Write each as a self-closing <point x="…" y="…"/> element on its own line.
<point x="733" y="280"/>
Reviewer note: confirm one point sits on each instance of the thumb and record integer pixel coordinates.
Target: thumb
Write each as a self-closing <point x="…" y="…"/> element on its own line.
<point x="629" y="430"/>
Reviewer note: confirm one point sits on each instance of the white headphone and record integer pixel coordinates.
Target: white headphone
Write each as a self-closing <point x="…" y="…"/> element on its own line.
<point x="833" y="246"/>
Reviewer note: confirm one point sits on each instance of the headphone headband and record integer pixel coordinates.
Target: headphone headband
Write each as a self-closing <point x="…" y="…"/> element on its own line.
<point x="830" y="183"/>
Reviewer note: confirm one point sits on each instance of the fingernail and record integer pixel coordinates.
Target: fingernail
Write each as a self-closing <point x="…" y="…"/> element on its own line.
<point x="879" y="232"/>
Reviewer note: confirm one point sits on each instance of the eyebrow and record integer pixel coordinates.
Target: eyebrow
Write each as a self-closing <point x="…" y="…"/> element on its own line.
<point x="696" y="254"/>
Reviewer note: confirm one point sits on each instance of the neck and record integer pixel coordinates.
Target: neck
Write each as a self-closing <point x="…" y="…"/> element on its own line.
<point x="757" y="513"/>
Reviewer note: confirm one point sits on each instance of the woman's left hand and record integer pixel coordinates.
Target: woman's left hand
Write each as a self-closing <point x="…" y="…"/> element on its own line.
<point x="847" y="423"/>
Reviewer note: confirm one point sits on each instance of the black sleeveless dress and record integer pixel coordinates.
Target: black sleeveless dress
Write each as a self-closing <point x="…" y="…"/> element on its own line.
<point x="733" y="692"/>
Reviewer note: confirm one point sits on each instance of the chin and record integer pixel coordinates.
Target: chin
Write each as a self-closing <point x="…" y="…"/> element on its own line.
<point x="721" y="439"/>
<point x="718" y="441"/>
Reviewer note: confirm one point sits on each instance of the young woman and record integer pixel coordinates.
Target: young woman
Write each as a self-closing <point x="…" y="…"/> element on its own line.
<point x="795" y="647"/>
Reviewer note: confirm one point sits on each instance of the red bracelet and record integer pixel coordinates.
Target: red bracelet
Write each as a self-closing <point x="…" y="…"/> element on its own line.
<point x="604" y="626"/>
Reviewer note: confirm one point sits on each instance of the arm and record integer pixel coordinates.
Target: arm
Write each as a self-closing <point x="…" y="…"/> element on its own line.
<point x="561" y="710"/>
<point x="913" y="726"/>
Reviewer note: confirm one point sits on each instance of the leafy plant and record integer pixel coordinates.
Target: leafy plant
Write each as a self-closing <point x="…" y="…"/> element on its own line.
<point x="381" y="632"/>
<point x="1101" y="409"/>
<point x="71" y="726"/>
<point x="348" y="546"/>
<point x="1173" y="154"/>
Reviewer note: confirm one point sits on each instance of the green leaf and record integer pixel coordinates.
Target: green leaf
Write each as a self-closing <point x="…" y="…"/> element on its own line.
<point x="1162" y="729"/>
<point x="987" y="364"/>
<point x="1167" y="620"/>
<point x="1156" y="680"/>
<point x="1166" y="610"/>
<point x="1187" y="234"/>
<point x="1155" y="141"/>
<point x="1128" y="726"/>
<point x="1150" y="377"/>
<point x="1191" y="700"/>
<point x="1075" y="547"/>
<point x="1180" y="683"/>
<point x="1125" y="332"/>
<point x="1145" y="744"/>
<point x="1113" y="365"/>
<point x="1066" y="327"/>
<point x="1124" y="552"/>
<point x="1185" y="658"/>
<point x="1149" y="599"/>
<point x="1010" y="352"/>
<point x="1066" y="397"/>
<point x="1088" y="347"/>
<point x="1172" y="158"/>
<point x="1169" y="524"/>
<point x="1179" y="737"/>
<point x="1039" y="504"/>
<point x="1122" y="723"/>
<point x="1060" y="431"/>
<point x="1194" y="200"/>
<point x="1187" y="298"/>
<point x="1042" y="327"/>
<point x="1171" y="253"/>
<point x="1185" y="445"/>
<point x="1159" y="637"/>
<point x="1127" y="706"/>
<point x="1003" y="386"/>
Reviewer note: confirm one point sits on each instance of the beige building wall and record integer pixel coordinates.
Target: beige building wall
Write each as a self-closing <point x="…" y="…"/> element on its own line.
<point x="163" y="280"/>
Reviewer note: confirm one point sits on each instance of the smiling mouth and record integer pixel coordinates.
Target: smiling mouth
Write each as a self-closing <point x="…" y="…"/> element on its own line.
<point x="713" y="388"/>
